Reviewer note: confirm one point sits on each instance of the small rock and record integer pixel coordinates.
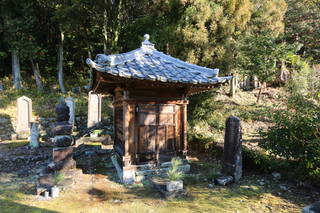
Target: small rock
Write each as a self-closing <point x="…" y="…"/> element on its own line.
<point x="224" y="180"/>
<point x="261" y="183"/>
<point x="269" y="207"/>
<point x="276" y="176"/>
<point x="283" y="187"/>
<point x="210" y="185"/>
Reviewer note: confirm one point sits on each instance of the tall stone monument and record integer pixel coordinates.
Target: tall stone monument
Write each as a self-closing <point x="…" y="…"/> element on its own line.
<point x="232" y="152"/>
<point x="62" y="153"/>
<point x="24" y="116"/>
<point x="94" y="109"/>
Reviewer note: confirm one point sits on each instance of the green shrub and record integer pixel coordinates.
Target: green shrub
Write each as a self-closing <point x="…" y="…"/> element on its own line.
<point x="296" y="133"/>
<point x="174" y="173"/>
<point x="57" y="178"/>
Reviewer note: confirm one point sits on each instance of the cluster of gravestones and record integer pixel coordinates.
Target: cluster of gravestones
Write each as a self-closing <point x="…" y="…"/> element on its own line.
<point x="247" y="83"/>
<point x="26" y="126"/>
<point x="63" y="141"/>
<point x="62" y="160"/>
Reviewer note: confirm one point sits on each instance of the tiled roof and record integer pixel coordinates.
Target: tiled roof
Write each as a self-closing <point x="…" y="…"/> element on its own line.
<point x="149" y="64"/>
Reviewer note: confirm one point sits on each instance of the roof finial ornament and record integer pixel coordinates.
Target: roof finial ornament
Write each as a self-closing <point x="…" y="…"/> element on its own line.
<point x="146" y="37"/>
<point x="146" y="44"/>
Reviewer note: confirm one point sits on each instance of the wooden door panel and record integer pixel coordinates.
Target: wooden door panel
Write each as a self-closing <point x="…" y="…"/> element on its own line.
<point x="170" y="138"/>
<point x="162" y="138"/>
<point x="147" y="118"/>
<point x="147" y="139"/>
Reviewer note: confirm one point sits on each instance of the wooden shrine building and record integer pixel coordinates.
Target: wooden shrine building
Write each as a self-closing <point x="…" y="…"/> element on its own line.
<point x="150" y="91"/>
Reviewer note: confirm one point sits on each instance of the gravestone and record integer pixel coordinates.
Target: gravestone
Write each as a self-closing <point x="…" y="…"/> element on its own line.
<point x="247" y="83"/>
<point x="70" y="103"/>
<point x="256" y="83"/>
<point x="24" y="116"/>
<point x="94" y="109"/>
<point x="34" y="135"/>
<point x="1" y="87"/>
<point x="233" y="85"/>
<point x="232" y="152"/>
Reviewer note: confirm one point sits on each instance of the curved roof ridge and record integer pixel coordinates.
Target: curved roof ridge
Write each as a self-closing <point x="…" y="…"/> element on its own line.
<point x="148" y="63"/>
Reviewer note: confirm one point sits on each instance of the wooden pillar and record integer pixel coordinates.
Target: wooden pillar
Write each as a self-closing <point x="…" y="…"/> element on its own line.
<point x="128" y="133"/>
<point x="184" y="127"/>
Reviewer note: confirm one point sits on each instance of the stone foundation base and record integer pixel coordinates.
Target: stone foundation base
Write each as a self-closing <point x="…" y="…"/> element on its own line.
<point x="138" y="173"/>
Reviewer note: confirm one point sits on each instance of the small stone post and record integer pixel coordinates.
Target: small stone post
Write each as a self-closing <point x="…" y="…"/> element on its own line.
<point x="255" y="82"/>
<point x="233" y="85"/>
<point x="34" y="135"/>
<point x="94" y="109"/>
<point x="232" y="152"/>
<point x="24" y="116"/>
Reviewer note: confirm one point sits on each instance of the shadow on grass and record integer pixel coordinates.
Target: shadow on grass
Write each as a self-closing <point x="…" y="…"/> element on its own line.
<point x="8" y="206"/>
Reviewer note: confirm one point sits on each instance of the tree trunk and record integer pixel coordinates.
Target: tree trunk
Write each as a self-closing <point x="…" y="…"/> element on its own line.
<point x="16" y="70"/>
<point x="37" y="76"/>
<point x="105" y="35"/>
<point x="90" y="69"/>
<point x="60" y="65"/>
<point x="258" y="98"/>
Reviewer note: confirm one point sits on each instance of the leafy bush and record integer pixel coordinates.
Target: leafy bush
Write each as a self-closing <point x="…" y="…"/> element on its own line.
<point x="174" y="172"/>
<point x="58" y="177"/>
<point x="296" y="133"/>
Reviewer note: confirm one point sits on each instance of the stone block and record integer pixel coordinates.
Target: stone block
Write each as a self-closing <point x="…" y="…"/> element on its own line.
<point x="65" y="129"/>
<point x="128" y="176"/>
<point x="61" y="153"/>
<point x="64" y="165"/>
<point x="224" y="180"/>
<point x="63" y="140"/>
<point x="313" y="208"/>
<point x="46" y="179"/>
<point x="172" y="186"/>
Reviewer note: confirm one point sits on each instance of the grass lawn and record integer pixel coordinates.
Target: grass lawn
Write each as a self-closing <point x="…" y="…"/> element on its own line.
<point x="100" y="193"/>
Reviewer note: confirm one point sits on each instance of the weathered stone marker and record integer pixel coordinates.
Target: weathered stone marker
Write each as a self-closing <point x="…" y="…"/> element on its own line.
<point x="255" y="82"/>
<point x="94" y="109"/>
<point x="233" y="85"/>
<point x="232" y="152"/>
<point x="24" y="116"/>
<point x="34" y="135"/>
<point x="70" y="103"/>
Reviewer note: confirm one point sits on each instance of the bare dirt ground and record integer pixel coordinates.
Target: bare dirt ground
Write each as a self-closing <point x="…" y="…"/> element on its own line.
<point x="97" y="189"/>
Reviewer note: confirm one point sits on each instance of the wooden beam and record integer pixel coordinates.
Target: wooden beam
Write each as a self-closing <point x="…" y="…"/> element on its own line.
<point x="185" y="141"/>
